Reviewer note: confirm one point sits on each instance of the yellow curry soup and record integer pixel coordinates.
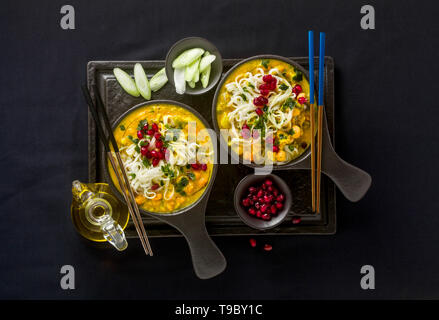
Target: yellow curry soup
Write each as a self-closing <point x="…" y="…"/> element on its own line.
<point x="156" y="151"/>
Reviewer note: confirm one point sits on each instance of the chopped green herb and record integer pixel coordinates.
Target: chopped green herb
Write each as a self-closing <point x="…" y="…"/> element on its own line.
<point x="298" y="76"/>
<point x="291" y="147"/>
<point x="137" y="148"/>
<point x="135" y="141"/>
<point x="191" y="175"/>
<point x="291" y="132"/>
<point x="245" y="89"/>
<point x="283" y="87"/>
<point x="182" y="193"/>
<point x="265" y="63"/>
<point x="162" y="183"/>
<point x="251" y="86"/>
<point x="143" y="143"/>
<point x="122" y="127"/>
<point x="132" y="175"/>
<point x="243" y="97"/>
<point x="265" y="108"/>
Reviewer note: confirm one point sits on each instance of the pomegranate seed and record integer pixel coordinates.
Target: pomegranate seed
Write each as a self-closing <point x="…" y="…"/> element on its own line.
<point x="296" y="220"/>
<point x="245" y="131"/>
<point x="302" y="100"/>
<point x="268" y="247"/>
<point x="148" y="154"/>
<point x="145" y="127"/>
<point x="266" y="217"/>
<point x="275" y="149"/>
<point x="268" y="78"/>
<point x="150" y="132"/>
<point x="258" y="213"/>
<point x="140" y="134"/>
<point x="264" y="208"/>
<point x="252" y="190"/>
<point x="279" y="205"/>
<point x="253" y="242"/>
<point x="157" y="135"/>
<point x="275" y="192"/>
<point x="297" y="89"/>
<point x="155" y="127"/>
<point x="155" y="186"/>
<point x="246" y="202"/>
<point x="270" y="189"/>
<point x="268" y="182"/>
<point x="257" y="205"/>
<point x="273" y="209"/>
<point x="254" y="198"/>
<point x="204" y="167"/>
<point x="155" y="162"/>
<point x="155" y="154"/>
<point x="280" y="198"/>
<point x="144" y="150"/>
<point x="265" y="92"/>
<point x="252" y="211"/>
<point x="159" y="144"/>
<point x="260" y="193"/>
<point x="195" y="166"/>
<point x="259" y="112"/>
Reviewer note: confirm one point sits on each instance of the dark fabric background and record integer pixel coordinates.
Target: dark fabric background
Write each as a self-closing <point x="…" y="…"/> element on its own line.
<point x="386" y="123"/>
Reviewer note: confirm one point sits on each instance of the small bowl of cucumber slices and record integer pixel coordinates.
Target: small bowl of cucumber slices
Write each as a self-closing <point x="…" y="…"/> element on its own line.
<point x="193" y="65"/>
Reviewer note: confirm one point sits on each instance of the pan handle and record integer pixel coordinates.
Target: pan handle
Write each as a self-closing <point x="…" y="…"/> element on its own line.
<point x="207" y="259"/>
<point x="350" y="180"/>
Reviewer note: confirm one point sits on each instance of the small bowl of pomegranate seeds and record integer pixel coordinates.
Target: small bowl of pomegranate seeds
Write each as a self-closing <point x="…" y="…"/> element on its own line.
<point x="262" y="201"/>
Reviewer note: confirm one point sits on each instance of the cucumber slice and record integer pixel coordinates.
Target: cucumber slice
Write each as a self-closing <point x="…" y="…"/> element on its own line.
<point x="126" y="82"/>
<point x="180" y="83"/>
<point x="158" y="80"/>
<point x="191" y="70"/>
<point x="187" y="57"/>
<point x="205" y="76"/>
<point x="142" y="83"/>
<point x="206" y="61"/>
<point x="196" y="77"/>
<point x="191" y="84"/>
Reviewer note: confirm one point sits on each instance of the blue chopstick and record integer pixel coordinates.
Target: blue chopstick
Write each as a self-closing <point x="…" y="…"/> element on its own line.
<point x="321" y="67"/>
<point x="311" y="65"/>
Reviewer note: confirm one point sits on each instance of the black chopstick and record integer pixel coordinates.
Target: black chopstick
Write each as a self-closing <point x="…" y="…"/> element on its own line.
<point x="124" y="184"/>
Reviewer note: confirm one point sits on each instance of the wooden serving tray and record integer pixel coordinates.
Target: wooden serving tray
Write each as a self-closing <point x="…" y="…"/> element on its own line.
<point x="221" y="218"/>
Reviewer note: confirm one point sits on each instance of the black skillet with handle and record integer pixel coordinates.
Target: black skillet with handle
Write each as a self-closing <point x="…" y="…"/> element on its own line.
<point x="350" y="180"/>
<point x="207" y="259"/>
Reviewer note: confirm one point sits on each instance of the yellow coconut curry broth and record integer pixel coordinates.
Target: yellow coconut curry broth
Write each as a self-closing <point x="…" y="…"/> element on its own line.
<point x="167" y="155"/>
<point x="261" y="96"/>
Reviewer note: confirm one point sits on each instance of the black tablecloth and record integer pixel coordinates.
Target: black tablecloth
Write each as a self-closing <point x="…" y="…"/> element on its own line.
<point x="386" y="123"/>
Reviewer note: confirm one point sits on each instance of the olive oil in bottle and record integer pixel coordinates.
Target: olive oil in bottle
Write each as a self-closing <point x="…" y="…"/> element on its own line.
<point x="97" y="215"/>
